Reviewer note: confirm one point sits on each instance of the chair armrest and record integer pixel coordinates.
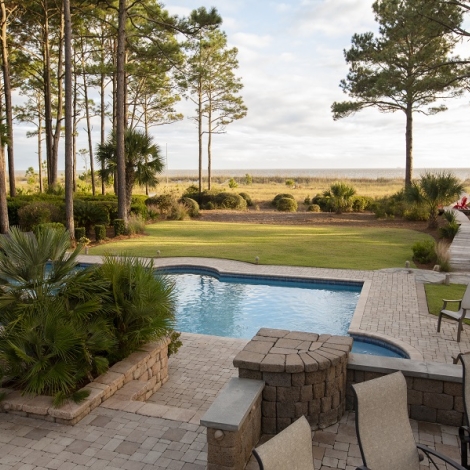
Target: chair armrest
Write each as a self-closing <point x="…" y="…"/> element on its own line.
<point x="446" y="301"/>
<point x="433" y="453"/>
<point x="464" y="434"/>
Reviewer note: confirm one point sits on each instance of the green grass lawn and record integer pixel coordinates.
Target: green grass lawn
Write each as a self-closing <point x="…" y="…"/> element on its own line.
<point x="323" y="247"/>
<point x="435" y="293"/>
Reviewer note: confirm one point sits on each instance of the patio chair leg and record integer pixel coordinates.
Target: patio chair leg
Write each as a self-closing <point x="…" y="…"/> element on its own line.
<point x="463" y="453"/>
<point x="439" y="322"/>
<point x="459" y="330"/>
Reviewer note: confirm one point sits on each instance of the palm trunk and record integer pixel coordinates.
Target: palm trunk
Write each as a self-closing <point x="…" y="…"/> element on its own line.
<point x="209" y="148"/>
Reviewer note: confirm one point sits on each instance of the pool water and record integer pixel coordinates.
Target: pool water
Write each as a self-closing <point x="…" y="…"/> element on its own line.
<point x="239" y="307"/>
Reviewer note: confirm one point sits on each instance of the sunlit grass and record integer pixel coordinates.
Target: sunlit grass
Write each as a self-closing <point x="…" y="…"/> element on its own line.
<point x="325" y="247"/>
<point x="435" y="293"/>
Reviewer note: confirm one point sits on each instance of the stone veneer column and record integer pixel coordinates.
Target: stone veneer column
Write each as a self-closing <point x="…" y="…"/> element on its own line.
<point x="304" y="374"/>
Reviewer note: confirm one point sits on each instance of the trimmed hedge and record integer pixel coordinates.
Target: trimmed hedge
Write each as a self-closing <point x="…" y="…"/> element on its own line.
<point x="281" y="196"/>
<point x="100" y="233"/>
<point x="286" y="204"/>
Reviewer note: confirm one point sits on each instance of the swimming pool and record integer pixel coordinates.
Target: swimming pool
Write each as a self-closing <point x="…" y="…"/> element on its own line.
<point x="237" y="306"/>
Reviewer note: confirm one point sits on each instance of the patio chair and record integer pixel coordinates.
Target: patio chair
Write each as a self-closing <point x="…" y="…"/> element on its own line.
<point x="383" y="429"/>
<point x="290" y="449"/>
<point x="464" y="431"/>
<point x="460" y="315"/>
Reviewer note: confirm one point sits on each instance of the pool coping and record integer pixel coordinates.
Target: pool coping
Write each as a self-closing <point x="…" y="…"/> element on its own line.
<point x="243" y="269"/>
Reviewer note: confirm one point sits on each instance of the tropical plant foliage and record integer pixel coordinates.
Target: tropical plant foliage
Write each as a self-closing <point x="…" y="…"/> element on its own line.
<point x="434" y="190"/>
<point x="340" y="196"/>
<point x="63" y="325"/>
<point x="52" y="337"/>
<point x="141" y="305"/>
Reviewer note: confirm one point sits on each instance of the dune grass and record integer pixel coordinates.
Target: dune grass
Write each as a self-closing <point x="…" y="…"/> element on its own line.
<point x="435" y="293"/>
<point x="324" y="247"/>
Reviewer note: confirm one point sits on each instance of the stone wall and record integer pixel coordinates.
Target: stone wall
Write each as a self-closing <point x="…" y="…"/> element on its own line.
<point x="435" y="392"/>
<point x="304" y="373"/>
<point x="233" y="424"/>
<point x="143" y="372"/>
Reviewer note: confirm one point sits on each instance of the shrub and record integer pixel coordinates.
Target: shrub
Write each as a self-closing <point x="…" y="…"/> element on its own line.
<point x="247" y="198"/>
<point x="175" y="342"/>
<point x="100" y="233"/>
<point x="141" y="305"/>
<point x="135" y="224"/>
<point x="230" y="201"/>
<point x="424" y="252"/>
<point x="360" y="203"/>
<point x="87" y="214"/>
<point x="191" y="191"/>
<point x="209" y="206"/>
<point x="394" y="205"/>
<point x="119" y="227"/>
<point x="290" y="183"/>
<point x="340" y="196"/>
<point x="449" y="231"/>
<point x="313" y="208"/>
<point x="191" y="205"/>
<point x="52" y="338"/>
<point x="280" y="196"/>
<point x="139" y="208"/>
<point x="37" y="213"/>
<point x="307" y="201"/>
<point x="321" y="201"/>
<point x="49" y="225"/>
<point x="286" y="204"/>
<point x="232" y="183"/>
<point x="416" y="213"/>
<point x="248" y="179"/>
<point x="178" y="211"/>
<point x="443" y="256"/>
<point x="80" y="232"/>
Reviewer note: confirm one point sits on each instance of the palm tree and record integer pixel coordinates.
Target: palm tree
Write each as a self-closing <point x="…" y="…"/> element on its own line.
<point x="52" y="338"/>
<point x="434" y="190"/>
<point x="339" y="196"/>
<point x="142" y="160"/>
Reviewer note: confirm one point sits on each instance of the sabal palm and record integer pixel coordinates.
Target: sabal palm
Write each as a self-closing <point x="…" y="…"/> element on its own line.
<point x="141" y="306"/>
<point x="53" y="335"/>
<point x="340" y="195"/>
<point x="143" y="160"/>
<point x="434" y="190"/>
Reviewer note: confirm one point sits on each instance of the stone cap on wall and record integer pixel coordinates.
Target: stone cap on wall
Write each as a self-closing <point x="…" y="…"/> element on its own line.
<point x="274" y="350"/>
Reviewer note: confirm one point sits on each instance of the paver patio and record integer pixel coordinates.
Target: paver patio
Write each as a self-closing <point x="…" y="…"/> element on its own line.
<point x="164" y="433"/>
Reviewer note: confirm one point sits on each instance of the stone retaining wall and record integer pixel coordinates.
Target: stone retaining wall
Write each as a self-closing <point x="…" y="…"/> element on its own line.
<point x="435" y="392"/>
<point x="141" y="374"/>
<point x="304" y="373"/>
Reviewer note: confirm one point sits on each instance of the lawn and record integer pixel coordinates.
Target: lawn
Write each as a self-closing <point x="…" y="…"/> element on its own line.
<point x="324" y="247"/>
<point x="435" y="293"/>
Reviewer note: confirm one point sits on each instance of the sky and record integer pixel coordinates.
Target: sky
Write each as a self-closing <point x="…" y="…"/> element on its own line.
<point x="291" y="62"/>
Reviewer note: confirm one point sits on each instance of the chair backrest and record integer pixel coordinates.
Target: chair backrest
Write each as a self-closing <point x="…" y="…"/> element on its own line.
<point x="466" y="299"/>
<point x="465" y="359"/>
<point x="291" y="449"/>
<point x="382" y="425"/>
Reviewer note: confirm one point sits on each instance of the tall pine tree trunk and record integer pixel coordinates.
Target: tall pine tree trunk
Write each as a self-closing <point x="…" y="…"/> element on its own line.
<point x="409" y="145"/>
<point x="209" y="147"/>
<point x="69" y="222"/>
<point x="123" y="203"/>
<point x="8" y="105"/>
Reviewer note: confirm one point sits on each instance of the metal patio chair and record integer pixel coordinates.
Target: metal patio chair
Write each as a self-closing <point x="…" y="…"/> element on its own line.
<point x="459" y="316"/>
<point x="383" y="428"/>
<point x="291" y="449"/>
<point x="464" y="431"/>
